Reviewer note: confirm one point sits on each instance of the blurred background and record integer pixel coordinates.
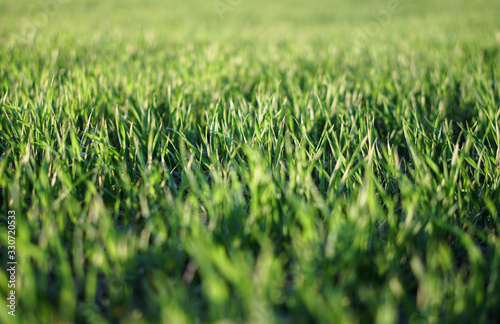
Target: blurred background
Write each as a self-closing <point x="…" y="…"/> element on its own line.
<point x="337" y="22"/>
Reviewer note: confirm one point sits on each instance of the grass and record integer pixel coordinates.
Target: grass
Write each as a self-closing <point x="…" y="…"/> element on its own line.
<point x="284" y="162"/>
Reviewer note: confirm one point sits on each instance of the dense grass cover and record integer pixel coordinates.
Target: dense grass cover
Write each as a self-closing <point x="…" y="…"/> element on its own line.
<point x="264" y="162"/>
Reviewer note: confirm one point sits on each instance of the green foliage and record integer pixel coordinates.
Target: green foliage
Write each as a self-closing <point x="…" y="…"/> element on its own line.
<point x="265" y="162"/>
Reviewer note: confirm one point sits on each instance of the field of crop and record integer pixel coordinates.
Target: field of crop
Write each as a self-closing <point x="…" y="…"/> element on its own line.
<point x="230" y="161"/>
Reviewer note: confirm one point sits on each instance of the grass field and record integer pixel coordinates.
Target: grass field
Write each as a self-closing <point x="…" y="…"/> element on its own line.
<point x="250" y="162"/>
